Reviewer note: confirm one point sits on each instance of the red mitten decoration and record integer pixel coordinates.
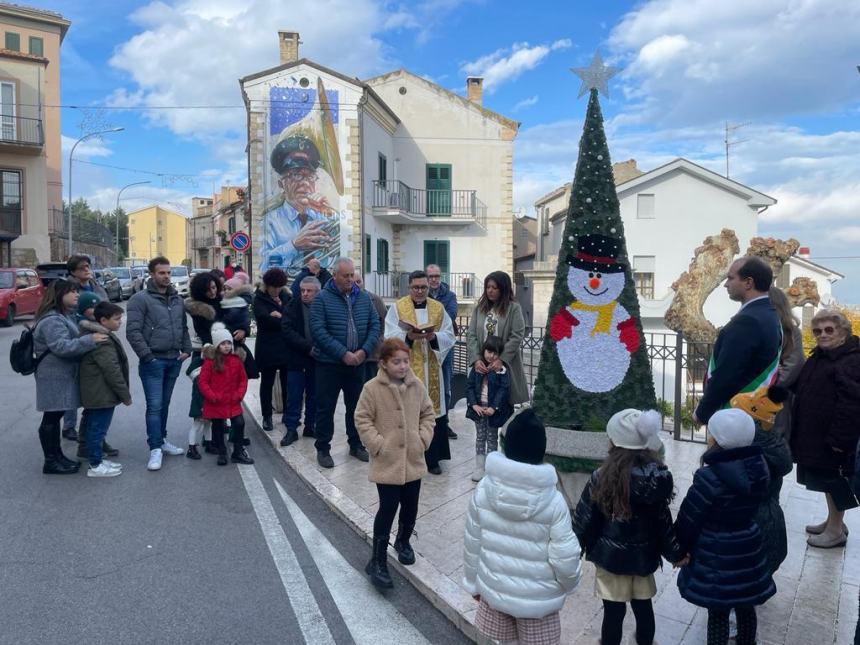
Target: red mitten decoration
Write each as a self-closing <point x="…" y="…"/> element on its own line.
<point x="628" y="334"/>
<point x="562" y="325"/>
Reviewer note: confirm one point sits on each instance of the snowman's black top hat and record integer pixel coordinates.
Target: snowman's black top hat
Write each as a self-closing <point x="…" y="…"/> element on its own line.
<point x="596" y="253"/>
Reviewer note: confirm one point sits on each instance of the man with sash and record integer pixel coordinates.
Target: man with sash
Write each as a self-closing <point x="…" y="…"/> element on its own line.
<point x="746" y="354"/>
<point x="425" y="326"/>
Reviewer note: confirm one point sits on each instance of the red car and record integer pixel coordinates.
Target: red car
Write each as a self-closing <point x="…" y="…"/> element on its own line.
<point x="21" y="291"/>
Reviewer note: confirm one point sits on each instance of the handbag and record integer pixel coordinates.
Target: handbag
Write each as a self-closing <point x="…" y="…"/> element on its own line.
<point x="250" y="363"/>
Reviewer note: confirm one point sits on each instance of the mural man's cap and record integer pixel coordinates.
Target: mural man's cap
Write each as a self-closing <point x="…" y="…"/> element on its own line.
<point x="596" y="253"/>
<point x="295" y="152"/>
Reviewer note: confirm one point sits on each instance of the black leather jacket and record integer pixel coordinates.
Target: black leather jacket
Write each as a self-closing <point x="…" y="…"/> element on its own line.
<point x="634" y="546"/>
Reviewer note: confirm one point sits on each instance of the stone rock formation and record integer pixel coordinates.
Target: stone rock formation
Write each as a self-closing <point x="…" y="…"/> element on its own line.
<point x="803" y="291"/>
<point x="774" y="252"/>
<point x="707" y="269"/>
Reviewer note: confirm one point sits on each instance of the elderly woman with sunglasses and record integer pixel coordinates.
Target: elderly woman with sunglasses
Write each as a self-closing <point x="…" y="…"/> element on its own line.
<point x="826" y="423"/>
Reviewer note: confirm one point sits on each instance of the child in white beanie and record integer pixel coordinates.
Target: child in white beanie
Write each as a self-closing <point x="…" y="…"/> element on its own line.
<point x="716" y="525"/>
<point x="624" y="524"/>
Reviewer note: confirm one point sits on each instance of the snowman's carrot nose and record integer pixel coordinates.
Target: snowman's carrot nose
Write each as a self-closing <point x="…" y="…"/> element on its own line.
<point x="594" y="283"/>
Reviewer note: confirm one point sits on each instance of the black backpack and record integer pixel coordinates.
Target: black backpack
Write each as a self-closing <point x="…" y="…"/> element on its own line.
<point x="22" y="354"/>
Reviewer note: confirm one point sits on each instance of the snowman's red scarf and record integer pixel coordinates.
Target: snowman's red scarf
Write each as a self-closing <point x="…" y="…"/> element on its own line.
<point x="604" y="315"/>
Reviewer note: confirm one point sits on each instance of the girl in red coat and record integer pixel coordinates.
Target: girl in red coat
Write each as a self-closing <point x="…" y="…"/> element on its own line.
<point x="223" y="383"/>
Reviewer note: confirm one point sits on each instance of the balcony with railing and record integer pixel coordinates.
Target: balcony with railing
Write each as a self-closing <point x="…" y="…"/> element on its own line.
<point x="21" y="134"/>
<point x="401" y="204"/>
<point x="205" y="242"/>
<point x="395" y="284"/>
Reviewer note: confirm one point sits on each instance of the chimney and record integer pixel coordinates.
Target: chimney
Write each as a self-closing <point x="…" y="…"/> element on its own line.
<point x="803" y="252"/>
<point x="289" y="46"/>
<point x="474" y="89"/>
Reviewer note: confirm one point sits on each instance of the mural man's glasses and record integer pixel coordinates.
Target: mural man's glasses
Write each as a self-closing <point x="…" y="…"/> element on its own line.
<point x="300" y="175"/>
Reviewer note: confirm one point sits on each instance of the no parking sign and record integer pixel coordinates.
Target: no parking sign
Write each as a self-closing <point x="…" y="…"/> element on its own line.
<point x="240" y="241"/>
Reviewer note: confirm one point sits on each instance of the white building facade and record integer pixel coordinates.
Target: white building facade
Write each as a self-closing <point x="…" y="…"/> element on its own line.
<point x="404" y="173"/>
<point x="667" y="213"/>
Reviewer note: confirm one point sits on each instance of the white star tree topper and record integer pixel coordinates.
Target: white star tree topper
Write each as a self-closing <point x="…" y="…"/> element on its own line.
<point x="595" y="76"/>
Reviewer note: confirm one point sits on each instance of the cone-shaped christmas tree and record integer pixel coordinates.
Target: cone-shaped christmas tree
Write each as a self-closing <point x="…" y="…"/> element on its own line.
<point x="594" y="360"/>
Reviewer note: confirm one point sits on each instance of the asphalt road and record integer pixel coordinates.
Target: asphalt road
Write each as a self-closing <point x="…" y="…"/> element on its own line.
<point x="194" y="553"/>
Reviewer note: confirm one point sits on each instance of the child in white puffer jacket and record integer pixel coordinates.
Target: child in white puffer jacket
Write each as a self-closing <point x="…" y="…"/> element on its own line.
<point x="521" y="555"/>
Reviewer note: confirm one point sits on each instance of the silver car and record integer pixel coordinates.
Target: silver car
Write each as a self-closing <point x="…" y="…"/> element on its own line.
<point x="129" y="282"/>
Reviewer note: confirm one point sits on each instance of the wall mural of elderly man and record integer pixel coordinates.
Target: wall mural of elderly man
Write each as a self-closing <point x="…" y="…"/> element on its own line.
<point x="302" y="219"/>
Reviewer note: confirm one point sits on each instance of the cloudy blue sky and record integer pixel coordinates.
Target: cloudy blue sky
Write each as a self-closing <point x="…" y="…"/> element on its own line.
<point x="784" y="68"/>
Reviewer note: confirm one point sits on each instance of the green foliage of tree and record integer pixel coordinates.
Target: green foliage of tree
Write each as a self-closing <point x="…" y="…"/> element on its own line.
<point x="593" y="209"/>
<point x="82" y="210"/>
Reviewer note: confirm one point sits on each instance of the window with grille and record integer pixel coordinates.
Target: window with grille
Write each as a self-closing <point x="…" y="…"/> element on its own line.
<point x="643" y="275"/>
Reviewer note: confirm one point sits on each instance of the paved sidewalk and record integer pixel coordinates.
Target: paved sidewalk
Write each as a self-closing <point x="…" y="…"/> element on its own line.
<point x="817" y="593"/>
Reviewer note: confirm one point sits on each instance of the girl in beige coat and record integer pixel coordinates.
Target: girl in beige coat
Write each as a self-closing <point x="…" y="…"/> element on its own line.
<point x="395" y="420"/>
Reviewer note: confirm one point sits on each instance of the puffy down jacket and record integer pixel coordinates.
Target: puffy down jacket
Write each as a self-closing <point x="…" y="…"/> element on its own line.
<point x="520" y="552"/>
<point x="715" y="525"/>
<point x="631" y="547"/>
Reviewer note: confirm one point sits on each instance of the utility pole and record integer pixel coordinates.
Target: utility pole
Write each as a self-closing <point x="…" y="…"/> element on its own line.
<point x="730" y="129"/>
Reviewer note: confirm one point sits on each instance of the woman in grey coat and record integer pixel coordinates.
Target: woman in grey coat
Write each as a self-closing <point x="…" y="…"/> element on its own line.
<point x="498" y="314"/>
<point x="56" y="341"/>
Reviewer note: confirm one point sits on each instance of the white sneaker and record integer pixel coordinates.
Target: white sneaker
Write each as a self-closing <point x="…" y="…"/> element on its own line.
<point x="154" y="459"/>
<point x="112" y="464"/>
<point x="478" y="473"/>
<point x="170" y="449"/>
<point x="103" y="470"/>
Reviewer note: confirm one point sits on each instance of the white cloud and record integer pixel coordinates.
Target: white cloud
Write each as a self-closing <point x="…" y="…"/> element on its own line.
<point x="192" y="52"/>
<point x="525" y="103"/>
<point x="93" y="147"/>
<point x="697" y="61"/>
<point x="507" y="64"/>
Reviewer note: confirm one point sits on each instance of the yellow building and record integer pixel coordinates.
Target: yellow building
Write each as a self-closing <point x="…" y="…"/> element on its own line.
<point x="154" y="231"/>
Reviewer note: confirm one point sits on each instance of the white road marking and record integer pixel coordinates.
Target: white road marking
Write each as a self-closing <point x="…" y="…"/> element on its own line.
<point x="308" y="614"/>
<point x="369" y="616"/>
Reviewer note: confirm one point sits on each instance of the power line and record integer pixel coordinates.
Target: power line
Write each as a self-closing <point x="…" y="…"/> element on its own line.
<point x="137" y="170"/>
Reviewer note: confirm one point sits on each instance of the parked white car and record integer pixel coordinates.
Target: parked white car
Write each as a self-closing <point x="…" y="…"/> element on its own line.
<point x="180" y="279"/>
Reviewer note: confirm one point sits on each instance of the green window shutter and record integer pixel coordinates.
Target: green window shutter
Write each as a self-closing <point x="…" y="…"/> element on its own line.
<point x="437" y="252"/>
<point x="438" y="189"/>
<point x="366" y="261"/>
<point x="13" y="41"/>
<point x="37" y="46"/>
<point x="382" y="255"/>
<point x="383" y="168"/>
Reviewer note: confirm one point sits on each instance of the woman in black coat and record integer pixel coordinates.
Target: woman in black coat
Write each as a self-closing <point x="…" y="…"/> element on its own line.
<point x="825" y="425"/>
<point x="728" y="566"/>
<point x="269" y="305"/>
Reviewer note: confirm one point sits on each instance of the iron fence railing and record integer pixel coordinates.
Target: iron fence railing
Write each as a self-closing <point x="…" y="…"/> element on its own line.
<point x="204" y="242"/>
<point x="453" y="204"/>
<point x="83" y="230"/>
<point x="678" y="368"/>
<point x="21" y="129"/>
<point x="395" y="284"/>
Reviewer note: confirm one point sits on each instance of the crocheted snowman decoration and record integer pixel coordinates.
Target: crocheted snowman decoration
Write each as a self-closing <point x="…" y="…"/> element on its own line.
<point x="595" y="335"/>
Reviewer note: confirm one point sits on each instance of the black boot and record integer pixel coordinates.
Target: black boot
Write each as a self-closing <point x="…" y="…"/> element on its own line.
<point x="240" y="456"/>
<point x="49" y="437"/>
<point x="290" y="436"/>
<point x="267" y="424"/>
<point x="377" y="568"/>
<point x="70" y="434"/>
<point x="108" y="450"/>
<point x="60" y="457"/>
<point x="405" y="554"/>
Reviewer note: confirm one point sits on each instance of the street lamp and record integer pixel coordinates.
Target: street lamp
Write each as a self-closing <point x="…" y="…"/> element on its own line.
<point x="71" y="153"/>
<point x="116" y="212"/>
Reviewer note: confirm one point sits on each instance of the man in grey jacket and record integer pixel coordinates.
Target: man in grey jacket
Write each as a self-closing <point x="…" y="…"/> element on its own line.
<point x="157" y="331"/>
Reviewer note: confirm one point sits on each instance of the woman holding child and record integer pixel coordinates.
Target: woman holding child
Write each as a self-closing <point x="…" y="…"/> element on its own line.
<point x="57" y="343"/>
<point x="498" y="314"/>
